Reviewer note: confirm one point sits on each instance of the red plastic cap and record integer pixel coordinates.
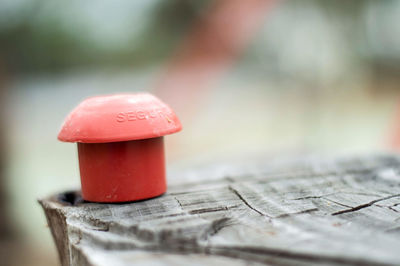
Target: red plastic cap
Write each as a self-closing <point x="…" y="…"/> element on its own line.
<point x="119" y="117"/>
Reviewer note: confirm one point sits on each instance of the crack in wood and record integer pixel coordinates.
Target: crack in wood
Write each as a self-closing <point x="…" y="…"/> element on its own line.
<point x="338" y="203"/>
<point x="366" y="205"/>
<point x="313" y="197"/>
<point x="246" y="202"/>
<point x="180" y="204"/>
<point x="387" y="207"/>
<point x="219" y="224"/>
<point x="391" y="208"/>
<point x="207" y="210"/>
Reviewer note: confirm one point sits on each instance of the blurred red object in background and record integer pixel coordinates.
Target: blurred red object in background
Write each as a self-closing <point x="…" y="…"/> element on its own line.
<point x="208" y="51"/>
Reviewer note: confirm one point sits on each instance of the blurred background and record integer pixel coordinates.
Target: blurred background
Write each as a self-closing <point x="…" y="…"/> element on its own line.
<point x="245" y="77"/>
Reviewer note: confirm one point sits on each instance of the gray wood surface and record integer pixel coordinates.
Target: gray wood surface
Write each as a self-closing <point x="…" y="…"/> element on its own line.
<point x="294" y="212"/>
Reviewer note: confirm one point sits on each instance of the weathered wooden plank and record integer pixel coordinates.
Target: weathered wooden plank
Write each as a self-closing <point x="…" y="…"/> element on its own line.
<point x="301" y="212"/>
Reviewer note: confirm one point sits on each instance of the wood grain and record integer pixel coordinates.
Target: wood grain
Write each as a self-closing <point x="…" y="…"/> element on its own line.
<point x="297" y="212"/>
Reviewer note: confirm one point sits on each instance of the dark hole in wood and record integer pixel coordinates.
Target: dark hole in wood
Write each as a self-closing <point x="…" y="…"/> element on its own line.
<point x="70" y="198"/>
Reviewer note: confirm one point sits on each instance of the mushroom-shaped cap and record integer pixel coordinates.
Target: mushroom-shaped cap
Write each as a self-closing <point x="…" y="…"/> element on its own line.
<point x="119" y="117"/>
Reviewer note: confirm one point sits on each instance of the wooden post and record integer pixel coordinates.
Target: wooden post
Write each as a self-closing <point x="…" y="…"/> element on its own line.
<point x="334" y="212"/>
